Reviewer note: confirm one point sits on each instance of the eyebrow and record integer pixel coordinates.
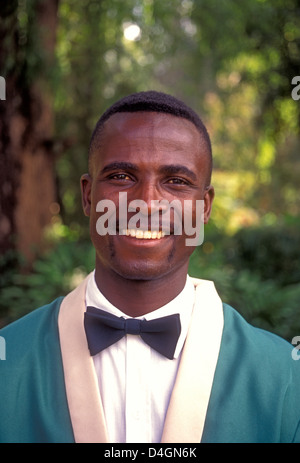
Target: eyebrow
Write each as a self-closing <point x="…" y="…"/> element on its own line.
<point x="178" y="169"/>
<point x="171" y="169"/>
<point x="119" y="165"/>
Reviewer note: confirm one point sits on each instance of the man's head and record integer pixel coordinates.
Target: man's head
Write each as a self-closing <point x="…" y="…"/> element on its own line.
<point x="152" y="101"/>
<point x="148" y="147"/>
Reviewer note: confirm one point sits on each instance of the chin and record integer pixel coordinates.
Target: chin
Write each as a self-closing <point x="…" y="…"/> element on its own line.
<point x="142" y="271"/>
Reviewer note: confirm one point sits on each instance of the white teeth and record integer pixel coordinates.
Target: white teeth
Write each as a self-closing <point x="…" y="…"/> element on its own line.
<point x="143" y="234"/>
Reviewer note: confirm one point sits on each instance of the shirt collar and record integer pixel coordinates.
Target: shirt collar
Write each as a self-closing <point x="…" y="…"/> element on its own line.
<point x="181" y="304"/>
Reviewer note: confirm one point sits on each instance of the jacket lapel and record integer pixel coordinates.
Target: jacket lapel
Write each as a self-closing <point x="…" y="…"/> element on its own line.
<point x="189" y="400"/>
<point x="190" y="397"/>
<point x="81" y="382"/>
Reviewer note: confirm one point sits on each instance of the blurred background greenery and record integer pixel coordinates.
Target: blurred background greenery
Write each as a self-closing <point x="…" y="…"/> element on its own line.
<point x="66" y="61"/>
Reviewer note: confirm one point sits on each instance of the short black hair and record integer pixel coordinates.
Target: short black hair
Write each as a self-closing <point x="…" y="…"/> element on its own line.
<point x="156" y="102"/>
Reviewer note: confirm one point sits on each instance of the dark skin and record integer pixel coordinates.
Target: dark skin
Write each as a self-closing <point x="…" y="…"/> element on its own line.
<point x="149" y="156"/>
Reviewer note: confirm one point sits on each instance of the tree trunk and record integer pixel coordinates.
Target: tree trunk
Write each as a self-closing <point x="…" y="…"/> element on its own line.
<point x="27" y="178"/>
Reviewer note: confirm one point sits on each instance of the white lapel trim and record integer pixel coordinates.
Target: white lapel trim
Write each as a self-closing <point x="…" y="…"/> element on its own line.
<point x="190" y="397"/>
<point x="81" y="382"/>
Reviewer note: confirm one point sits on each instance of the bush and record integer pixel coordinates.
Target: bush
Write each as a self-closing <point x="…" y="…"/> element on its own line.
<point x="54" y="274"/>
<point x="257" y="272"/>
<point x="271" y="252"/>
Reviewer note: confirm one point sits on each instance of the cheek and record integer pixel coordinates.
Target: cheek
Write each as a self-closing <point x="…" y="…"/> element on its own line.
<point x="102" y="203"/>
<point x="193" y="213"/>
<point x="193" y="223"/>
<point x="103" y="245"/>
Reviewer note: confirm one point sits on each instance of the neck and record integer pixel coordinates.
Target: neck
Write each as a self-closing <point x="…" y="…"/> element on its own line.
<point x="139" y="297"/>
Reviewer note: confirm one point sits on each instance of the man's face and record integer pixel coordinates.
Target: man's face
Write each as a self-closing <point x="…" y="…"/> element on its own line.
<point x="149" y="156"/>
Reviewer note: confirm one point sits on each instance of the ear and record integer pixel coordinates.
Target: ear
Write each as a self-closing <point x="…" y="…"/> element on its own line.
<point x="86" y="188"/>
<point x="208" y="200"/>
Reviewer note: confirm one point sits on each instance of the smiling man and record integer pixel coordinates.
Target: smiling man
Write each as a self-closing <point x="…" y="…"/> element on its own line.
<point x="150" y="156"/>
<point x="141" y="352"/>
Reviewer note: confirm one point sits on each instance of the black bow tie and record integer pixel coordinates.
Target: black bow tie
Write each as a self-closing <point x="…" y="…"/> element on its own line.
<point x="104" y="329"/>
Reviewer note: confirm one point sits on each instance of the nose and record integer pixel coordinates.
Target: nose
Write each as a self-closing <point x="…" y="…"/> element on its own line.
<point x="148" y="199"/>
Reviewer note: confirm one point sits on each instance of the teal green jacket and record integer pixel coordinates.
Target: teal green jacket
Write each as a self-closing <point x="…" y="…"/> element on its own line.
<point x="255" y="395"/>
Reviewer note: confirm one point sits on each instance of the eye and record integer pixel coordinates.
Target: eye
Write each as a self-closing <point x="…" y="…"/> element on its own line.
<point x="120" y="177"/>
<point x="178" y="181"/>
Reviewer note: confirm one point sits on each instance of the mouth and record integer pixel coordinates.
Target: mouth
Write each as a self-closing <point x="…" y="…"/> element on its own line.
<point x="143" y="234"/>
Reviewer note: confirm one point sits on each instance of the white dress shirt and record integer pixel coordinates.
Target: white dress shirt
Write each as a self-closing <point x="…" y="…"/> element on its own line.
<point x="136" y="381"/>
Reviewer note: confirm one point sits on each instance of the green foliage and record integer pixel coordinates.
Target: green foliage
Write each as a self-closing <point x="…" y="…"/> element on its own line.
<point x="256" y="271"/>
<point x="54" y="274"/>
<point x="272" y="252"/>
<point x="22" y="54"/>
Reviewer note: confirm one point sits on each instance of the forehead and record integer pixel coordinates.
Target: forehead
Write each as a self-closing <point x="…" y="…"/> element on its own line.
<point x="150" y="124"/>
<point x="148" y="136"/>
